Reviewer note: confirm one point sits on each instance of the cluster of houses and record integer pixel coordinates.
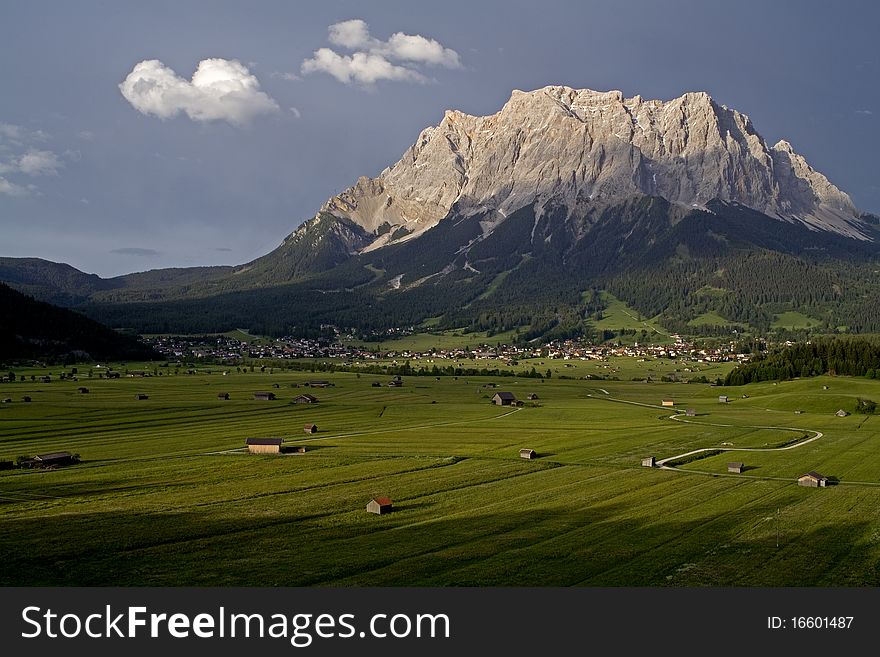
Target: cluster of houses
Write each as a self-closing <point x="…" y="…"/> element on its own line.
<point x="228" y="349"/>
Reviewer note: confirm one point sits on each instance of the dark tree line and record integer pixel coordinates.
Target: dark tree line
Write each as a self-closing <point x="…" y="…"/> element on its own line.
<point x="853" y="356"/>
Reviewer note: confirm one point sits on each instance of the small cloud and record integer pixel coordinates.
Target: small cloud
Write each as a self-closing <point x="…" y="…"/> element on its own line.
<point x="39" y="163"/>
<point x="296" y="113"/>
<point x="223" y="249"/>
<point x="362" y="68"/>
<point x="290" y="77"/>
<point x="19" y="136"/>
<point x="220" y="90"/>
<point x="134" y="251"/>
<point x="373" y="59"/>
<point x="865" y="112"/>
<point x="86" y="135"/>
<point x="8" y="188"/>
<point x="84" y="201"/>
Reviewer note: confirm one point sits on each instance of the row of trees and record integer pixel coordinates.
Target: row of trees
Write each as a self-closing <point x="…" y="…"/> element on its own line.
<point x="854" y="356"/>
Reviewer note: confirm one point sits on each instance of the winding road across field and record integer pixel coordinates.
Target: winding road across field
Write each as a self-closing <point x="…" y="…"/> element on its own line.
<point x="677" y="417"/>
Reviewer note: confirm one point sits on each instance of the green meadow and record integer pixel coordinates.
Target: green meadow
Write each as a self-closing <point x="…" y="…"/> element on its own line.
<point x="166" y="495"/>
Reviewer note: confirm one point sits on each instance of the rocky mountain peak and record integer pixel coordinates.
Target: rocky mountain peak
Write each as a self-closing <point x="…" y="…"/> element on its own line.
<point x="586" y="149"/>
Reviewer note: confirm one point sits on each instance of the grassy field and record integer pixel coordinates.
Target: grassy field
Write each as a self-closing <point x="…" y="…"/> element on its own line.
<point x="166" y="496"/>
<point x="794" y="320"/>
<point x="617" y="315"/>
<point x="439" y="340"/>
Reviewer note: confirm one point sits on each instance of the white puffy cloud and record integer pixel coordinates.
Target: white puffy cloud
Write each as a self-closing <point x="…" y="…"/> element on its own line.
<point x="8" y="188"/>
<point x="39" y="163"/>
<point x="220" y="90"/>
<point x="416" y="48"/>
<point x="373" y="59"/>
<point x="351" y="34"/>
<point x="361" y="67"/>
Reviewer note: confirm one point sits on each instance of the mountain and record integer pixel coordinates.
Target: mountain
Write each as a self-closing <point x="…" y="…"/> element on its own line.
<point x="31" y="329"/>
<point x="529" y="217"/>
<point x="583" y="149"/>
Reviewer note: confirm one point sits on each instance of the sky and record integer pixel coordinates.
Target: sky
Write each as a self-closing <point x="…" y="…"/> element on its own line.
<point x="135" y="135"/>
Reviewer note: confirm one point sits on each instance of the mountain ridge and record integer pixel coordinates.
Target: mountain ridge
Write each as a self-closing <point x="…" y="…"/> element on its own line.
<point x="522" y="217"/>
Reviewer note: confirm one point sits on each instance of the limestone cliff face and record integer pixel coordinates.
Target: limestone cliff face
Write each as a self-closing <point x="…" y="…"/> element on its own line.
<point x="585" y="150"/>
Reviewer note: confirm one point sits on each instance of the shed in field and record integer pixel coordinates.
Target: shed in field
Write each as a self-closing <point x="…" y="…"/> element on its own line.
<point x="264" y="445"/>
<point x="723" y="399"/>
<point x="380" y="505"/>
<point x="311" y="428"/>
<point x="504" y="399"/>
<point x="223" y="395"/>
<point x="45" y="379"/>
<point x="526" y="453"/>
<point x="532" y="396"/>
<point x="667" y="402"/>
<point x="264" y="396"/>
<point x="376" y="384"/>
<point x="813" y="480"/>
<point x="319" y="384"/>
<point x="51" y="460"/>
<point x="841" y="413"/>
<point x="26" y="399"/>
<point x="305" y="399"/>
<point x="798" y="411"/>
<point x="649" y="462"/>
<point x="691" y="412"/>
<point x="396" y="382"/>
<point x="141" y="396"/>
<point x="736" y="467"/>
<point x="83" y="390"/>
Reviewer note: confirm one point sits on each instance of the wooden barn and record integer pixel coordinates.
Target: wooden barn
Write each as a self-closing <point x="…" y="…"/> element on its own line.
<point x="83" y="390"/>
<point x="264" y="396"/>
<point x="396" y="382"/>
<point x="26" y="399"/>
<point x="532" y="396"/>
<point x="813" y="480"/>
<point x="319" y="384"/>
<point x="223" y="395"/>
<point x="735" y="467"/>
<point x="51" y="460"/>
<point x="723" y="399"/>
<point x="649" y="462"/>
<point x="667" y="402"/>
<point x="380" y="505"/>
<point x="841" y="413"/>
<point x="264" y="445"/>
<point x="504" y="399"/>
<point x="526" y="453"/>
<point x="141" y="396"/>
<point x="311" y="428"/>
<point x="305" y="399"/>
<point x="376" y="384"/>
<point x="691" y="412"/>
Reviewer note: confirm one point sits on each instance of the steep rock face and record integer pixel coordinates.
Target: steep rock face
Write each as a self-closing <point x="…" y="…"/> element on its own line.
<point x="586" y="150"/>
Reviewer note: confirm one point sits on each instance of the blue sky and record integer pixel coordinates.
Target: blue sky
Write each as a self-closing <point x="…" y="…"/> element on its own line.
<point x="163" y="173"/>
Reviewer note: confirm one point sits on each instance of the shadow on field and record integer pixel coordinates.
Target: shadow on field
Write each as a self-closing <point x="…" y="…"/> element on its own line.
<point x="272" y="544"/>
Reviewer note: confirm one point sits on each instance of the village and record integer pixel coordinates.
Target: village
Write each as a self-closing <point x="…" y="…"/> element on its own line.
<point x="225" y="349"/>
